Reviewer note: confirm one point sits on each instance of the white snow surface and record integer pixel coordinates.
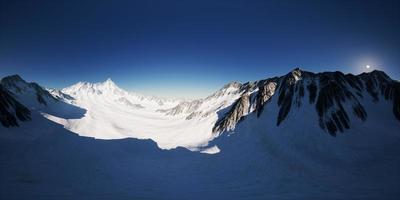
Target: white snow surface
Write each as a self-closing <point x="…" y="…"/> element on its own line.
<point x="113" y="113"/>
<point x="40" y="159"/>
<point x="258" y="160"/>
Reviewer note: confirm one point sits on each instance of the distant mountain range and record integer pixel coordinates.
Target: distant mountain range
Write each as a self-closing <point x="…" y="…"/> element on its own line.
<point x="333" y="100"/>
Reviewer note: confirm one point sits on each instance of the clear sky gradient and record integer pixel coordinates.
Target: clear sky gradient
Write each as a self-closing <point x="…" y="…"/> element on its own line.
<point x="191" y="48"/>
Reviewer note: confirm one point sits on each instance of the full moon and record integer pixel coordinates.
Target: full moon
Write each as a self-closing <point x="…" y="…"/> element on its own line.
<point x="367" y="66"/>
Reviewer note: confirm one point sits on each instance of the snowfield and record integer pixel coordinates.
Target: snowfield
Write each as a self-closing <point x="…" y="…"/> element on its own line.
<point x="277" y="138"/>
<point x="112" y="113"/>
<point x="42" y="160"/>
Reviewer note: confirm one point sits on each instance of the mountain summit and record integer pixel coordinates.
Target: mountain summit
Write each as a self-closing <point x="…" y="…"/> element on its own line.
<point x="84" y="88"/>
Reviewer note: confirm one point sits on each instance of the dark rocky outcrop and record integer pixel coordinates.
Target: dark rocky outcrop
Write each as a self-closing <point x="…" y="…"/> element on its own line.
<point x="380" y="84"/>
<point x="247" y="101"/>
<point x="286" y="92"/>
<point x="11" y="110"/>
<point x="333" y="93"/>
<point x="266" y="91"/>
<point x="312" y="91"/>
<point x="239" y="110"/>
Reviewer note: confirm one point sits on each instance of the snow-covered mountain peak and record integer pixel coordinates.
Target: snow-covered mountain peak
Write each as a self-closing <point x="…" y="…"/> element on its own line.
<point x="100" y="88"/>
<point x="295" y="75"/>
<point x="109" y="81"/>
<point x="109" y="91"/>
<point x="228" y="89"/>
<point x="109" y="84"/>
<point x="233" y="84"/>
<point x="79" y="87"/>
<point x="110" y="87"/>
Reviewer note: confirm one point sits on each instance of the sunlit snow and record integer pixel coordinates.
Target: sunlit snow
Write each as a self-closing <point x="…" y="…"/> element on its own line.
<point x="113" y="113"/>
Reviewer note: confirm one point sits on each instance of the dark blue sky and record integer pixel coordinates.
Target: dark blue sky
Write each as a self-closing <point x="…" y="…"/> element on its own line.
<point x="191" y="48"/>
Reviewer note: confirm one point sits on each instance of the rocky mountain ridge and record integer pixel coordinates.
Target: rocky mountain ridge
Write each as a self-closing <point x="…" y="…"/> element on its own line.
<point x="336" y="97"/>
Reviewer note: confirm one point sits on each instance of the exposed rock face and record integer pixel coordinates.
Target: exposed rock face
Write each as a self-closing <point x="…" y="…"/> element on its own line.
<point x="239" y="110"/>
<point x="335" y="90"/>
<point x="264" y="95"/>
<point x="336" y="96"/>
<point x="378" y="84"/>
<point x="312" y="91"/>
<point x="243" y="106"/>
<point x="286" y="93"/>
<point x="11" y="110"/>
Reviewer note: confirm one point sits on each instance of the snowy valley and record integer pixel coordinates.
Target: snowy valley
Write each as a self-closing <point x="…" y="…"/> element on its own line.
<point x="278" y="137"/>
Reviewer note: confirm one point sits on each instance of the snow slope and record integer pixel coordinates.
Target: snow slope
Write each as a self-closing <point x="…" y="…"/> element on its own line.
<point x="113" y="113"/>
<point x="258" y="161"/>
<point x="266" y="138"/>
